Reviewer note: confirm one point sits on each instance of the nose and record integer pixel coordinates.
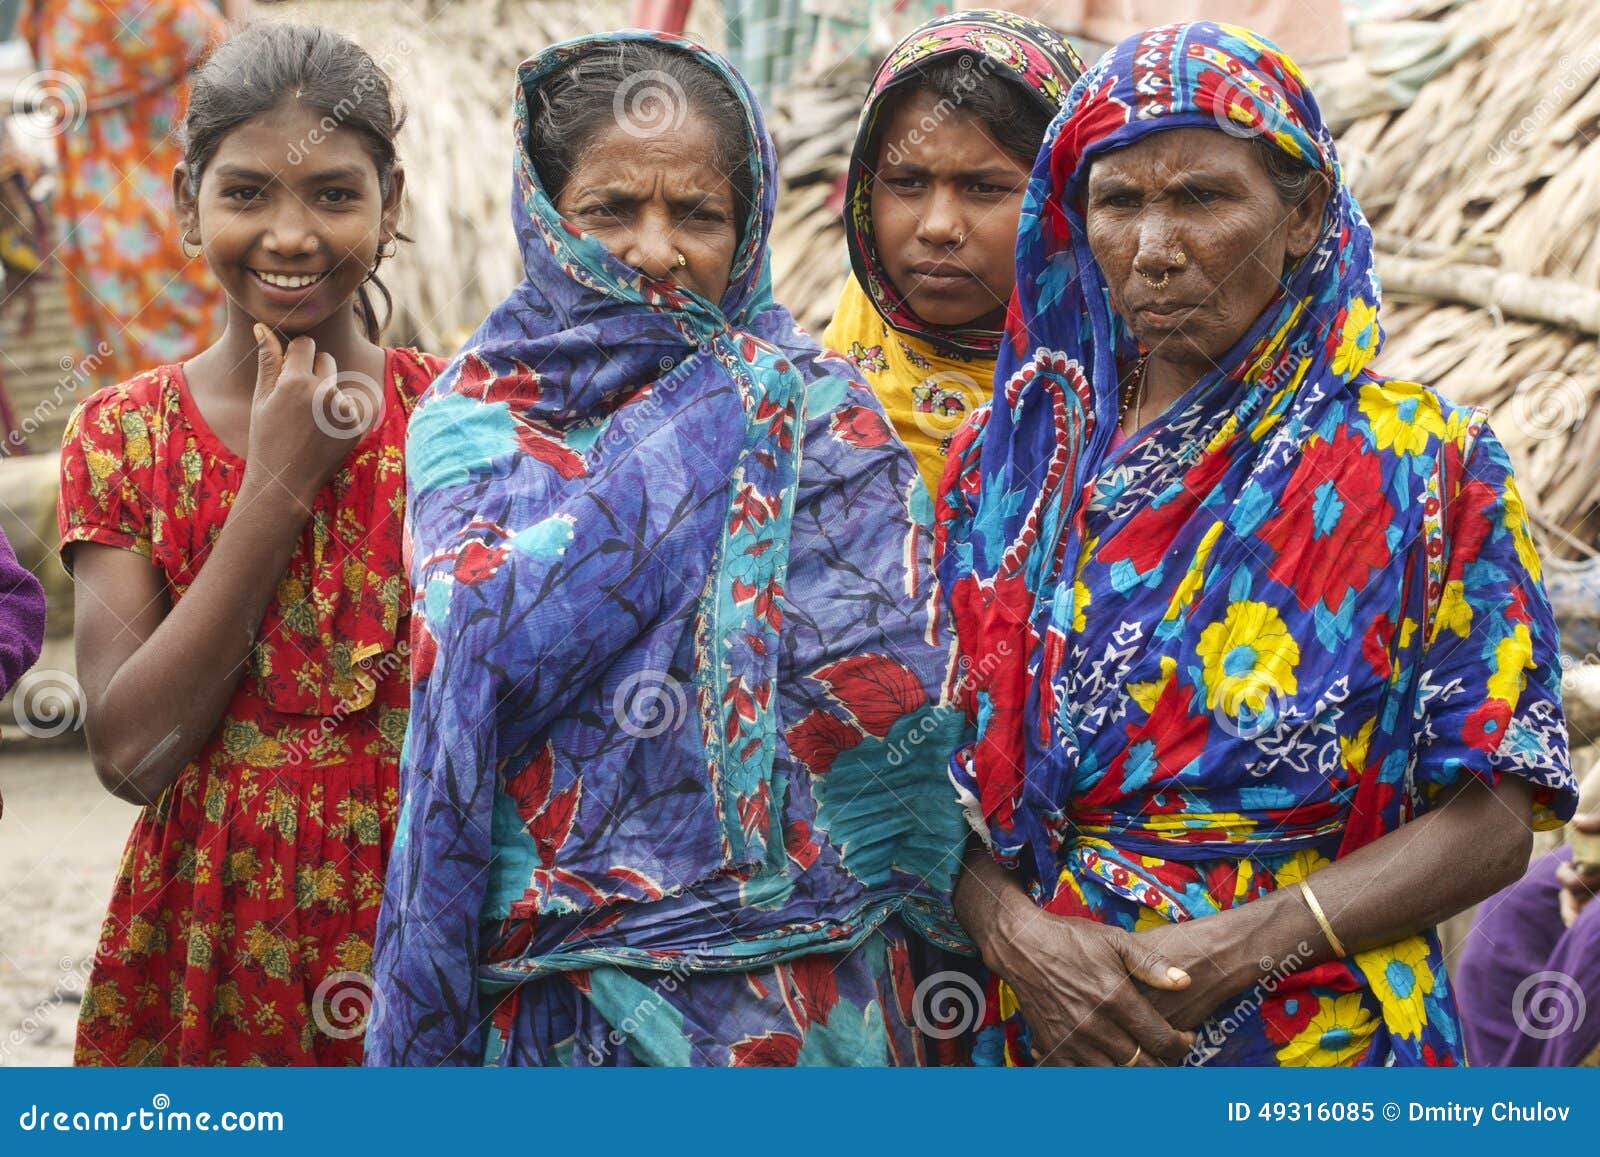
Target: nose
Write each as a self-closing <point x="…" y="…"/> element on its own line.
<point x="942" y="222"/>
<point x="1161" y="251"/>
<point x="292" y="230"/>
<point x="651" y="247"/>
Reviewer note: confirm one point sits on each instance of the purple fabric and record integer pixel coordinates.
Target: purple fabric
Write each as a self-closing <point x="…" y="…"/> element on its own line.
<point x="1528" y="987"/>
<point x="21" y="617"/>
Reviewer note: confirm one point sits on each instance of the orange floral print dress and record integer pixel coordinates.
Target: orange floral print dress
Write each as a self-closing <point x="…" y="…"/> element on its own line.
<point x="241" y="922"/>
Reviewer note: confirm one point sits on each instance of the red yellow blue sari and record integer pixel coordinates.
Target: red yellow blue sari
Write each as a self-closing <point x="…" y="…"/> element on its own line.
<point x="1268" y="629"/>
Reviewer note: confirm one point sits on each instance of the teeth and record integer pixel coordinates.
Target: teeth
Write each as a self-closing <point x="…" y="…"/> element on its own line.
<point x="286" y="282"/>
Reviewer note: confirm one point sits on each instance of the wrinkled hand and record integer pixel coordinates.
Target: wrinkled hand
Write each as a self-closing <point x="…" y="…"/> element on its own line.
<point x="304" y="420"/>
<point x="1190" y="947"/>
<point x="1578" y="885"/>
<point x="1082" y="988"/>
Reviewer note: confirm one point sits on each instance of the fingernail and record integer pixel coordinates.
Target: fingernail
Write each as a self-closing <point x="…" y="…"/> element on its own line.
<point x="259" y="330"/>
<point x="1176" y="974"/>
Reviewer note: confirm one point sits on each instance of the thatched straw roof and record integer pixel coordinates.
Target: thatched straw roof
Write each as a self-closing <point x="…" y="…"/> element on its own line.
<point x="1494" y="171"/>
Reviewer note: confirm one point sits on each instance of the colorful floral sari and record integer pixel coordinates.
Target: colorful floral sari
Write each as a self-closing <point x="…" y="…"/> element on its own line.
<point x="674" y="789"/>
<point x="1266" y="630"/>
<point x="929" y="378"/>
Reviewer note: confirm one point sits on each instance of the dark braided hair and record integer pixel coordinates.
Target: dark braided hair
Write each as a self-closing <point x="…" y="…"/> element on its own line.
<point x="265" y="64"/>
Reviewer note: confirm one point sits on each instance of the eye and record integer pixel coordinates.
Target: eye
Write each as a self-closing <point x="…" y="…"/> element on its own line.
<point x="903" y="182"/>
<point x="339" y="196"/>
<point x="708" y="216"/>
<point x="1202" y="195"/>
<point x="989" y="188"/>
<point x="242" y="193"/>
<point x="1120" y="201"/>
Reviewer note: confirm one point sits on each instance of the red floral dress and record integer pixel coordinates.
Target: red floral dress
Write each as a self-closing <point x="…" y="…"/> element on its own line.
<point x="241" y="923"/>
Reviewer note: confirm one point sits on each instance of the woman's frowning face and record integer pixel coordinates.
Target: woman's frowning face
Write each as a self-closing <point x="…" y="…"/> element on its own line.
<point x="1193" y="239"/>
<point x="653" y="195"/>
<point x="945" y="204"/>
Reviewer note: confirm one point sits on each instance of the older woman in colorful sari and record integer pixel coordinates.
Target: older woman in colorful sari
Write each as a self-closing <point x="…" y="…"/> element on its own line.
<point x="673" y="791"/>
<point x="933" y="193"/>
<point x="1264" y="678"/>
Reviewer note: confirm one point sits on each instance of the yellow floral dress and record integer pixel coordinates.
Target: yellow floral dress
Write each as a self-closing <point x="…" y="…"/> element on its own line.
<point x="241" y="919"/>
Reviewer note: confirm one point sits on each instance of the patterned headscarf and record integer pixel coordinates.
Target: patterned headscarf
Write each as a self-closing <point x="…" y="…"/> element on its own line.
<point x="1004" y="45"/>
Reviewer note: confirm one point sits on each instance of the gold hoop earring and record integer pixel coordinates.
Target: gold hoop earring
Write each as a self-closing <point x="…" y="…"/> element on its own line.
<point x="393" y="247"/>
<point x="183" y="243"/>
<point x="683" y="261"/>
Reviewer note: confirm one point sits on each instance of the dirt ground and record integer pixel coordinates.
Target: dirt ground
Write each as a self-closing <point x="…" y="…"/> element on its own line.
<point x="60" y="840"/>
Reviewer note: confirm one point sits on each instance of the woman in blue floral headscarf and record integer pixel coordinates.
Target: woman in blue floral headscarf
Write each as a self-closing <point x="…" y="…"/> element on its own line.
<point x="1264" y="678"/>
<point x="674" y="789"/>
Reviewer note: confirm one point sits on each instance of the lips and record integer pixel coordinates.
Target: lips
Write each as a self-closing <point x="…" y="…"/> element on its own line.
<point x="940" y="276"/>
<point x="1161" y="313"/>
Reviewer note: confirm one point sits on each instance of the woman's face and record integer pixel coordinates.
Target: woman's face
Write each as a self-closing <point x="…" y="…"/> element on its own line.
<point x="945" y="205"/>
<point x="651" y="195"/>
<point x="1192" y="239"/>
<point x="291" y="232"/>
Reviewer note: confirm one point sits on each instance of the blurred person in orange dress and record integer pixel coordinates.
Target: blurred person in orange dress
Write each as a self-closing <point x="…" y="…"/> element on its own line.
<point x="112" y="83"/>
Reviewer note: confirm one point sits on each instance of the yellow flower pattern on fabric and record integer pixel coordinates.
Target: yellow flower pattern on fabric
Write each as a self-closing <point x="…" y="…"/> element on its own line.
<point x="1402" y="976"/>
<point x="1339" y="1033"/>
<point x="1403" y="415"/>
<point x="1358" y="340"/>
<point x="1512" y="656"/>
<point x="1516" y="521"/>
<point x="1247" y="657"/>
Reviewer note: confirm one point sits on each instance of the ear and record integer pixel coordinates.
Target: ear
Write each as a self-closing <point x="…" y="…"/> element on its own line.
<point x="393" y="201"/>
<point x="1305" y="223"/>
<point x="184" y="202"/>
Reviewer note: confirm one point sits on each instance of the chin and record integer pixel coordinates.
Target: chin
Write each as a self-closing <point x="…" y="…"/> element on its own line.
<point x="946" y="314"/>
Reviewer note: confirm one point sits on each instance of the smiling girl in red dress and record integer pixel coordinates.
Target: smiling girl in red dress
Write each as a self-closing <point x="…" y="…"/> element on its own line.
<point x="234" y="526"/>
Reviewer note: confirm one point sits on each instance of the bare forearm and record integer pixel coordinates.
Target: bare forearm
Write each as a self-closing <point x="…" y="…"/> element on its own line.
<point x="988" y="899"/>
<point x="167" y="698"/>
<point x="1400" y="884"/>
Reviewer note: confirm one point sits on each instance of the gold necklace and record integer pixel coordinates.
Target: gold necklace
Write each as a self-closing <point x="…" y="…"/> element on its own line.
<point x="1133" y="393"/>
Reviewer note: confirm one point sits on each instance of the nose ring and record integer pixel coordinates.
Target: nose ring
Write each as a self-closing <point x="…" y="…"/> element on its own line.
<point x="1181" y="259"/>
<point x="682" y="261"/>
<point x="1153" y="283"/>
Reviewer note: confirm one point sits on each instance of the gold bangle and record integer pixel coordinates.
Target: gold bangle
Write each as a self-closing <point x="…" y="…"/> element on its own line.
<point x="1322" y="920"/>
